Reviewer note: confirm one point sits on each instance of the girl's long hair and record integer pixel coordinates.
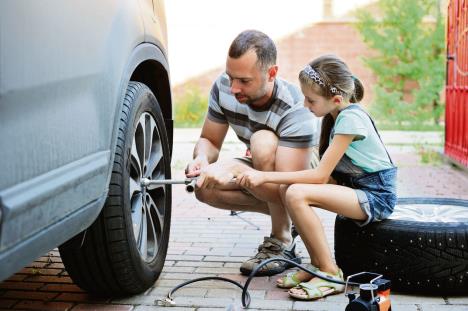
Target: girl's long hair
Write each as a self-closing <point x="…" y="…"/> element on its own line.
<point x="337" y="80"/>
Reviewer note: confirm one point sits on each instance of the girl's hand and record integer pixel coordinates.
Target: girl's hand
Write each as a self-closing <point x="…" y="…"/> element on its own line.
<point x="251" y="179"/>
<point x="214" y="175"/>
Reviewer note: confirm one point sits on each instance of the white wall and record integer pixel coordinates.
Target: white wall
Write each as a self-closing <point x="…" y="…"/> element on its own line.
<point x="200" y="31"/>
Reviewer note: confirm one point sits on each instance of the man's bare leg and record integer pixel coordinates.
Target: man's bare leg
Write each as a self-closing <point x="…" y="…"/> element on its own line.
<point x="232" y="199"/>
<point x="264" y="199"/>
<point x="263" y="145"/>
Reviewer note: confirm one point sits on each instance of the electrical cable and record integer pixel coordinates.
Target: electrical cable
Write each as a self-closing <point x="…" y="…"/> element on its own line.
<point x="254" y="272"/>
<point x="246" y="299"/>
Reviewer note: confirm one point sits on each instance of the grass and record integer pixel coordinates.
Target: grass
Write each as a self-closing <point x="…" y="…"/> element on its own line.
<point x="428" y="155"/>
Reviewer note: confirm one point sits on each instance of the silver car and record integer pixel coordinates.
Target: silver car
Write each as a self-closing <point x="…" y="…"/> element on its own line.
<point x="85" y="114"/>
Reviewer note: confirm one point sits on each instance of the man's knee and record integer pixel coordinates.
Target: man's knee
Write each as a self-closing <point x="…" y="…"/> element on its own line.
<point x="263" y="145"/>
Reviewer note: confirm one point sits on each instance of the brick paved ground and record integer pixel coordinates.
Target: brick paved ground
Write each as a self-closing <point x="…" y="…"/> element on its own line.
<point x="208" y="242"/>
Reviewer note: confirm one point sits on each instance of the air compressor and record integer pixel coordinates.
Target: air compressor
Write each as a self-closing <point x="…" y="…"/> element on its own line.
<point x="373" y="296"/>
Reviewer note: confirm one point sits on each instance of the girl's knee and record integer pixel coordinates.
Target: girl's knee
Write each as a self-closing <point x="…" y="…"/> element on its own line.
<point x="294" y="196"/>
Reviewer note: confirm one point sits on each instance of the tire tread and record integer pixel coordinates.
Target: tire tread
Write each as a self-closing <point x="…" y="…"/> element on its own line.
<point x="406" y="253"/>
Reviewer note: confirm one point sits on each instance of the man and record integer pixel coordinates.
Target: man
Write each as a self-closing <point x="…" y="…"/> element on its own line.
<point x="267" y="114"/>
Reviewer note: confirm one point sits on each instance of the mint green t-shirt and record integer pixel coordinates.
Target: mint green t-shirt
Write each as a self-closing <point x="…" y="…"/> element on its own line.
<point x="366" y="151"/>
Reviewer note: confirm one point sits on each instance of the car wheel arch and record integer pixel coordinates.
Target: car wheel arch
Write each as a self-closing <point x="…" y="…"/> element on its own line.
<point x="148" y="64"/>
<point x="144" y="58"/>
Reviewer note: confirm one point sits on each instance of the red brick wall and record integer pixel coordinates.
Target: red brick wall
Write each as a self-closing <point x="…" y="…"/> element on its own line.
<point x="296" y="50"/>
<point x="339" y="38"/>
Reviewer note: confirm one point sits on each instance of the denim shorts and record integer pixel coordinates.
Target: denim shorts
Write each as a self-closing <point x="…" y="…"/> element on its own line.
<point x="376" y="192"/>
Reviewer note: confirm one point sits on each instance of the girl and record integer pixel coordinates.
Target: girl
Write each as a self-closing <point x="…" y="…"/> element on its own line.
<point x="352" y="153"/>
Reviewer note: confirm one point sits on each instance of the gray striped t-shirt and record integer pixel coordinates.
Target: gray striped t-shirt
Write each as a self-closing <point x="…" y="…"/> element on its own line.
<point x="285" y="114"/>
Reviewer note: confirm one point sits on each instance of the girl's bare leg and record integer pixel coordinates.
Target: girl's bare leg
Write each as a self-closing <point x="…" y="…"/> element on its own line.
<point x="301" y="200"/>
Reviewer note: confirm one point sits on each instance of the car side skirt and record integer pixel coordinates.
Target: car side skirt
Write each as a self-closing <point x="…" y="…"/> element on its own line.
<point x="14" y="258"/>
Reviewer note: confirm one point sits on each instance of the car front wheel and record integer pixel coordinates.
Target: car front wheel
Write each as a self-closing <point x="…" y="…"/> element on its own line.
<point x="123" y="251"/>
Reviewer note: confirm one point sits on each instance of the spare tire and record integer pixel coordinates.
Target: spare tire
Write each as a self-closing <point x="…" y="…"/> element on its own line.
<point x="421" y="248"/>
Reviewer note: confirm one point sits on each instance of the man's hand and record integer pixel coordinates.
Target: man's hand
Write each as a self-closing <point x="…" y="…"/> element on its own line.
<point x="214" y="175"/>
<point x="207" y="147"/>
<point x="251" y="179"/>
<point x="195" y="167"/>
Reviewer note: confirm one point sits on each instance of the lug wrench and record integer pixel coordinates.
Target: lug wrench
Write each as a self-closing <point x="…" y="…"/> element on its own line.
<point x="153" y="183"/>
<point x="189" y="187"/>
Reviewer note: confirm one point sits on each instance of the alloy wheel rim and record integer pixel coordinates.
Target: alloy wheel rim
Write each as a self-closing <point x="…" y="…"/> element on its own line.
<point x="430" y="213"/>
<point x="147" y="206"/>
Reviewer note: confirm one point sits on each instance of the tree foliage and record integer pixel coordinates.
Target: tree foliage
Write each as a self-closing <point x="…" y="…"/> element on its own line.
<point x="409" y="61"/>
<point x="190" y="107"/>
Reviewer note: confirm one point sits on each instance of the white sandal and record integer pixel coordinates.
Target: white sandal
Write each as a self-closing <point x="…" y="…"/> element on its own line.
<point x="319" y="289"/>
<point x="290" y="280"/>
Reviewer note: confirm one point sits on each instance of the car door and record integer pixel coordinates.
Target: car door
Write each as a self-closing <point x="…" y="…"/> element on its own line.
<point x="60" y="75"/>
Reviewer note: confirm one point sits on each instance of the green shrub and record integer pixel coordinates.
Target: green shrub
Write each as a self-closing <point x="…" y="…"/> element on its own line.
<point x="428" y="155"/>
<point x="190" y="107"/>
<point x="409" y="61"/>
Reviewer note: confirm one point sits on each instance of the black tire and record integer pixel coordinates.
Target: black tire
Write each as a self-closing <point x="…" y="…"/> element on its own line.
<point x="417" y="256"/>
<point x="106" y="259"/>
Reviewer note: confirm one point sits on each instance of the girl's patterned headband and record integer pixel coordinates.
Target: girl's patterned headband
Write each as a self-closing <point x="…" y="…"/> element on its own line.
<point x="312" y="74"/>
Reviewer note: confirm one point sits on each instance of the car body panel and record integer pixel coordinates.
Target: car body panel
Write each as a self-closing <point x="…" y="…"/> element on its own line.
<point x="62" y="81"/>
<point x="22" y="253"/>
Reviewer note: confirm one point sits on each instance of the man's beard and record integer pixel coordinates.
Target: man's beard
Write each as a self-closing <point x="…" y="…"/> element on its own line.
<point x="257" y="96"/>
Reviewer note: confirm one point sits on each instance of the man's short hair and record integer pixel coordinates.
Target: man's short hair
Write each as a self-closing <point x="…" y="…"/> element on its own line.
<point x="255" y="40"/>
